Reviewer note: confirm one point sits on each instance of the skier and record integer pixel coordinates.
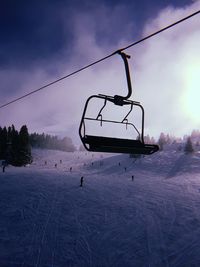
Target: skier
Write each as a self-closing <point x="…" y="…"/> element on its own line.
<point x="56" y="165"/>
<point x="132" y="177"/>
<point x="70" y="169"/>
<point x="81" y="181"/>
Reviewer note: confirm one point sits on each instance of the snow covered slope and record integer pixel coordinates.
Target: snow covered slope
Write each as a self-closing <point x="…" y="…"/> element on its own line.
<point x="48" y="220"/>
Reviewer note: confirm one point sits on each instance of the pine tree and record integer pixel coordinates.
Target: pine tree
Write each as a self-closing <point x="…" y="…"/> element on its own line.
<point x="15" y="146"/>
<point x="162" y="141"/>
<point x="188" y="146"/>
<point x="23" y="152"/>
<point x="3" y="142"/>
<point x="1" y="148"/>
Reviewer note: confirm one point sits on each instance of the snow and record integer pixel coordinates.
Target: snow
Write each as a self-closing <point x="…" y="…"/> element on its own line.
<point x="48" y="220"/>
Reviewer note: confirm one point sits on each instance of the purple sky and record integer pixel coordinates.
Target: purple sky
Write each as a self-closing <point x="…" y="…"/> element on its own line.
<point x="44" y="40"/>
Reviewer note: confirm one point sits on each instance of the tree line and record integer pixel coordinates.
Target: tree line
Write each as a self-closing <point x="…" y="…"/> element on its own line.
<point x="51" y="142"/>
<point x="15" y="146"/>
<point x="188" y="144"/>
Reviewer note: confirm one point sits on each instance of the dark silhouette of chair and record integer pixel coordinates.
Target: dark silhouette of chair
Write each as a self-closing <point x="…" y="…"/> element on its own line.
<point x="117" y="145"/>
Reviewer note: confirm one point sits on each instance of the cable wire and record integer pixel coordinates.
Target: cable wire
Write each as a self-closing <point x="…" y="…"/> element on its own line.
<point x="102" y="59"/>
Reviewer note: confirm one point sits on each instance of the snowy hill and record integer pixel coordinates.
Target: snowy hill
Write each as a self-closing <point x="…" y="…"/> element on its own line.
<point x="47" y="219"/>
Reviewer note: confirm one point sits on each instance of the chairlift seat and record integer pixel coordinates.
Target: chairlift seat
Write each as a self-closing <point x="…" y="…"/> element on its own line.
<point x="118" y="145"/>
<point x="110" y="144"/>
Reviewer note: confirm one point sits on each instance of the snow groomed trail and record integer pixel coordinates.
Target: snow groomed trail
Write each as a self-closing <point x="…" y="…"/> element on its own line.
<point x="48" y="220"/>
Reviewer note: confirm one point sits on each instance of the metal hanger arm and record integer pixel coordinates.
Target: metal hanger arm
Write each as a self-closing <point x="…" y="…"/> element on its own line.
<point x="128" y="77"/>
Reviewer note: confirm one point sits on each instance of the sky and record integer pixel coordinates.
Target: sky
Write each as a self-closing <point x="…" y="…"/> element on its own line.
<point x="42" y="41"/>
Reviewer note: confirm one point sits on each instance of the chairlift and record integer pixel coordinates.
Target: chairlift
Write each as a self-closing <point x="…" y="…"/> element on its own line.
<point x="98" y="143"/>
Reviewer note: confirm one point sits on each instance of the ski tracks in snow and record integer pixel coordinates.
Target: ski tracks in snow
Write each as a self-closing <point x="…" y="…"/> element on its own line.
<point x="111" y="220"/>
<point x="44" y="233"/>
<point x="82" y="245"/>
<point x="189" y="248"/>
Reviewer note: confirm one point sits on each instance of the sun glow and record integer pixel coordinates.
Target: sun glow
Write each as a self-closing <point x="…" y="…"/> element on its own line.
<point x="191" y="96"/>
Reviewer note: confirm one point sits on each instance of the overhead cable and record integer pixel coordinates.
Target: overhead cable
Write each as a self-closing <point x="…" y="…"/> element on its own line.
<point x="102" y="59"/>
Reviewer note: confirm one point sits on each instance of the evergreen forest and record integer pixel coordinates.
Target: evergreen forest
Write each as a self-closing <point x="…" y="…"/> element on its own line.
<point x="15" y="146"/>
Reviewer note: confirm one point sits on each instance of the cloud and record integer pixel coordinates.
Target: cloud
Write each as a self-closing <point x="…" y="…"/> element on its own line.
<point x="158" y="66"/>
<point x="164" y="63"/>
